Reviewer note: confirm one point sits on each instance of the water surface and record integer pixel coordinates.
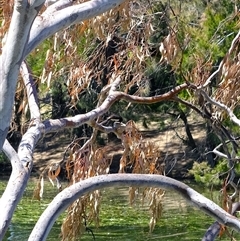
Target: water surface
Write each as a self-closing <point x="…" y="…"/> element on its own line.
<point x="119" y="220"/>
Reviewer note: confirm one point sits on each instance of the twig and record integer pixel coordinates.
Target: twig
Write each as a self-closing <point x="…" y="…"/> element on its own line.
<point x="232" y="117"/>
<point x="209" y="79"/>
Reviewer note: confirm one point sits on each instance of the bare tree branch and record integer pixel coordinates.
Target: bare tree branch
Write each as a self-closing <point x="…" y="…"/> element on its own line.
<point x="35" y="131"/>
<point x="233" y="45"/>
<point x="54" y="5"/>
<point x="14" y="190"/>
<point x="31" y="92"/>
<point x="12" y="155"/>
<point x="77" y="190"/>
<point x="154" y="99"/>
<point x="53" y="21"/>
<point x="220" y="154"/>
<point x="232" y="117"/>
<point x="193" y="107"/>
<point x="111" y="98"/>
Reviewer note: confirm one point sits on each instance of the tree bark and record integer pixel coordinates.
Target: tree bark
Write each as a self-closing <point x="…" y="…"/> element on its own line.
<point x="12" y="56"/>
<point x="25" y="34"/>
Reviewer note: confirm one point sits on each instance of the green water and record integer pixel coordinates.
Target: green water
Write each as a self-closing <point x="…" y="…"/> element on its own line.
<point x="119" y="220"/>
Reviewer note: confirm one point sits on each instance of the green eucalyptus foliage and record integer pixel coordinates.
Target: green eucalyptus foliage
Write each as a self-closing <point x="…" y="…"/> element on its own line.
<point x="37" y="58"/>
<point x="3" y="158"/>
<point x="211" y="176"/>
<point x="206" y="34"/>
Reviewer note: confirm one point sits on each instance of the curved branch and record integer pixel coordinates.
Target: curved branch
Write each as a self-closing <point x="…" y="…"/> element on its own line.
<point x="111" y="98"/>
<point x="72" y="193"/>
<point x="212" y="232"/>
<point x="14" y="190"/>
<point x="35" y="131"/>
<point x="232" y="47"/>
<point x="12" y="155"/>
<point x="153" y="99"/>
<point x="38" y="129"/>
<point x="215" y="228"/>
<point x="54" y="21"/>
<point x="232" y="117"/>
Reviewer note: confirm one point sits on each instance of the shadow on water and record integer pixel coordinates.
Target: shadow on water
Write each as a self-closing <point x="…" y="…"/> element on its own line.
<point x="119" y="220"/>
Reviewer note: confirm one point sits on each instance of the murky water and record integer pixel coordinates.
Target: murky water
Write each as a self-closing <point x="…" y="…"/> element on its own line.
<point x="119" y="220"/>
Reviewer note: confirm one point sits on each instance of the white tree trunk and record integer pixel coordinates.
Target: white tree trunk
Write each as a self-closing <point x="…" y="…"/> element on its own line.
<point x="15" y="49"/>
<point x="27" y="30"/>
<point x="12" y="57"/>
<point x="18" y="43"/>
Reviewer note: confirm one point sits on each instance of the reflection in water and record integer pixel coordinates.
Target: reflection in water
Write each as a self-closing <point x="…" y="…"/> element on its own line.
<point x="119" y="220"/>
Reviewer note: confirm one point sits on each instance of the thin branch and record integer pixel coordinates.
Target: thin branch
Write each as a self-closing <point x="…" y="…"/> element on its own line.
<point x="232" y="117"/>
<point x="233" y="45"/>
<point x="154" y="99"/>
<point x="31" y="91"/>
<point x="193" y="107"/>
<point x="218" y="153"/>
<point x="14" y="190"/>
<point x="111" y="98"/>
<point x="12" y="155"/>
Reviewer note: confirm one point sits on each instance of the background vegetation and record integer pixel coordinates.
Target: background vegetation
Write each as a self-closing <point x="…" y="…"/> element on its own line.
<point x="155" y="46"/>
